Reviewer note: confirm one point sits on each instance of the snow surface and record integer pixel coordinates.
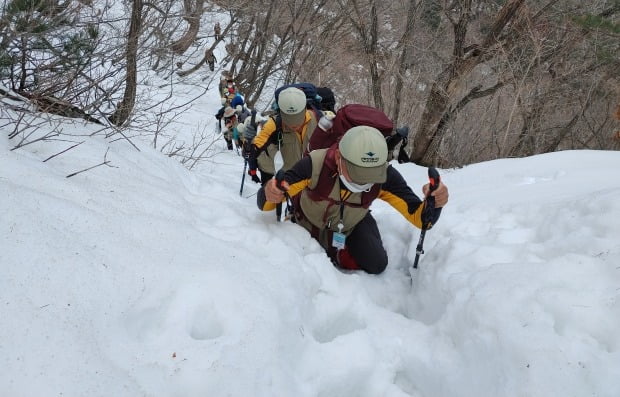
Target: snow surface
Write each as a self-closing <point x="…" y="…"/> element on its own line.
<point x="141" y="278"/>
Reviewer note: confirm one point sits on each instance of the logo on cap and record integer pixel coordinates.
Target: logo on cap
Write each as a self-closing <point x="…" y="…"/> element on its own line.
<point x="370" y="157"/>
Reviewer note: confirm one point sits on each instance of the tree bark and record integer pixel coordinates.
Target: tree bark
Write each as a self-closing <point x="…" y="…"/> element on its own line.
<point x="193" y="13"/>
<point x="445" y="87"/>
<point x="403" y="62"/>
<point x="121" y="115"/>
<point x="372" y="52"/>
<point x="369" y="37"/>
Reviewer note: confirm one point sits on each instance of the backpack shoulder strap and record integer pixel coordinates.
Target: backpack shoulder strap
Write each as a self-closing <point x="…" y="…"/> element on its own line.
<point x="278" y="121"/>
<point x="276" y="137"/>
<point x="253" y="118"/>
<point x="310" y="127"/>
<point x="318" y="160"/>
<point x="317" y="112"/>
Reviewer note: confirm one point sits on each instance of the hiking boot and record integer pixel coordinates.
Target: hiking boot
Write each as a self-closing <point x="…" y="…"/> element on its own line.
<point x="346" y="261"/>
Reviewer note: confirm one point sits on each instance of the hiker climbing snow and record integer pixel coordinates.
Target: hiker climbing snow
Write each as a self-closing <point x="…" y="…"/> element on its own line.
<point x="331" y="190"/>
<point x="287" y="132"/>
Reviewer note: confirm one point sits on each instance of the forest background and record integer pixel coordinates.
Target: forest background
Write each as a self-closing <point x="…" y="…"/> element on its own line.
<point x="473" y="79"/>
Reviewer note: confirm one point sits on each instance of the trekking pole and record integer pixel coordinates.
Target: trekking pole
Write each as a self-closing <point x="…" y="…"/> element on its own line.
<point x="434" y="180"/>
<point x="289" y="202"/>
<point x="245" y="166"/>
<point x="278" y="211"/>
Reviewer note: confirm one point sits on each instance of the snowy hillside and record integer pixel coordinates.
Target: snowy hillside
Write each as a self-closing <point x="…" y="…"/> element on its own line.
<point x="140" y="278"/>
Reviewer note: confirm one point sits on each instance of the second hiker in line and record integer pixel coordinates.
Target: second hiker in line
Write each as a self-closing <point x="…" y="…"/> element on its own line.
<point x="288" y="132"/>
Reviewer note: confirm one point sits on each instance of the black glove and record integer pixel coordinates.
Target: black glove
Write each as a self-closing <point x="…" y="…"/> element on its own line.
<point x="403" y="157"/>
<point x="253" y="151"/>
<point x="252" y="173"/>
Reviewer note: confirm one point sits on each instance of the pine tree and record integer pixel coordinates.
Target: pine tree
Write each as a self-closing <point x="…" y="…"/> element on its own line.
<point x="44" y="46"/>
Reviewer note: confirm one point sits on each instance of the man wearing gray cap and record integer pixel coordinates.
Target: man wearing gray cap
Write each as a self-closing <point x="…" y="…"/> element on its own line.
<point x="290" y="134"/>
<point x="332" y="189"/>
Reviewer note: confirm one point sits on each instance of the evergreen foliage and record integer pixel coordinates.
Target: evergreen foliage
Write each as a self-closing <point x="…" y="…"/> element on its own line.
<point x="43" y="43"/>
<point x="597" y="22"/>
<point x="607" y="42"/>
<point x="431" y="13"/>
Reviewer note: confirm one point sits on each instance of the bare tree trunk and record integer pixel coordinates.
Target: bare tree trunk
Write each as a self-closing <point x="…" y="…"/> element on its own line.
<point x="120" y="116"/>
<point x="372" y="52"/>
<point x="369" y="38"/>
<point x="445" y="87"/>
<point x="525" y="145"/>
<point x="403" y="62"/>
<point x="193" y="12"/>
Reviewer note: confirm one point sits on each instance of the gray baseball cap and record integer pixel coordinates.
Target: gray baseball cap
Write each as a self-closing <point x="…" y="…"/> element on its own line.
<point x="365" y="152"/>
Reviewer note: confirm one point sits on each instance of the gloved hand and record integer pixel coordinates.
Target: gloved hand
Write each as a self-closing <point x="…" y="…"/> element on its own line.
<point x="255" y="177"/>
<point x="326" y="122"/>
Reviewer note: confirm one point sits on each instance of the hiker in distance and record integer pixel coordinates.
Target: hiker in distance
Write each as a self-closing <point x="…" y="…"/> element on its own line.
<point x="331" y="191"/>
<point x="230" y="132"/>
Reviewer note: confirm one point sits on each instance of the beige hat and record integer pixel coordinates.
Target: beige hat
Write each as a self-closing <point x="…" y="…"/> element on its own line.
<point x="229" y="112"/>
<point x="241" y="128"/>
<point x="365" y="153"/>
<point x="292" y="104"/>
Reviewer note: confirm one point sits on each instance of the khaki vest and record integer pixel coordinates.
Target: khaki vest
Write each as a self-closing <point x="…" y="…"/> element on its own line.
<point x="266" y="159"/>
<point x="293" y="144"/>
<point x="324" y="213"/>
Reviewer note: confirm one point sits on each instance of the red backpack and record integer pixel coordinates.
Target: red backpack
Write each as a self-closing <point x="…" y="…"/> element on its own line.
<point x="350" y="116"/>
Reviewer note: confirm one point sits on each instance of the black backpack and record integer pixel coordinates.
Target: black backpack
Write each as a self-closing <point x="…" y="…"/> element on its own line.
<point x="328" y="100"/>
<point x="312" y="96"/>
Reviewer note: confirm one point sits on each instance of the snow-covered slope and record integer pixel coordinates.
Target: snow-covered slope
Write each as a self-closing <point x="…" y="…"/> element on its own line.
<point x="140" y="278"/>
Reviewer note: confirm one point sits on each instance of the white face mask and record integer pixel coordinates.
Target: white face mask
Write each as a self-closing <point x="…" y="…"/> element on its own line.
<point x="354" y="187"/>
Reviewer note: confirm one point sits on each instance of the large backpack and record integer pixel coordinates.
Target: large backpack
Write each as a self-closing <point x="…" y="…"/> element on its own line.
<point x="351" y="116"/>
<point x="312" y="97"/>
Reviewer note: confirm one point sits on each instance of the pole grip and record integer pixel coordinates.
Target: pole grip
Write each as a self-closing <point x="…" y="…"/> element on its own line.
<point x="433" y="178"/>
<point x="280" y="179"/>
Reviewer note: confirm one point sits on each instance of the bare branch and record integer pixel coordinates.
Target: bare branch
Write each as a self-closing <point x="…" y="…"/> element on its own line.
<point x="104" y="162"/>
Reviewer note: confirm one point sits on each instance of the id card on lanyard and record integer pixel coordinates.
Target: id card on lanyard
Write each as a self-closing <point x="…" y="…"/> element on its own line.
<point x="339" y="239"/>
